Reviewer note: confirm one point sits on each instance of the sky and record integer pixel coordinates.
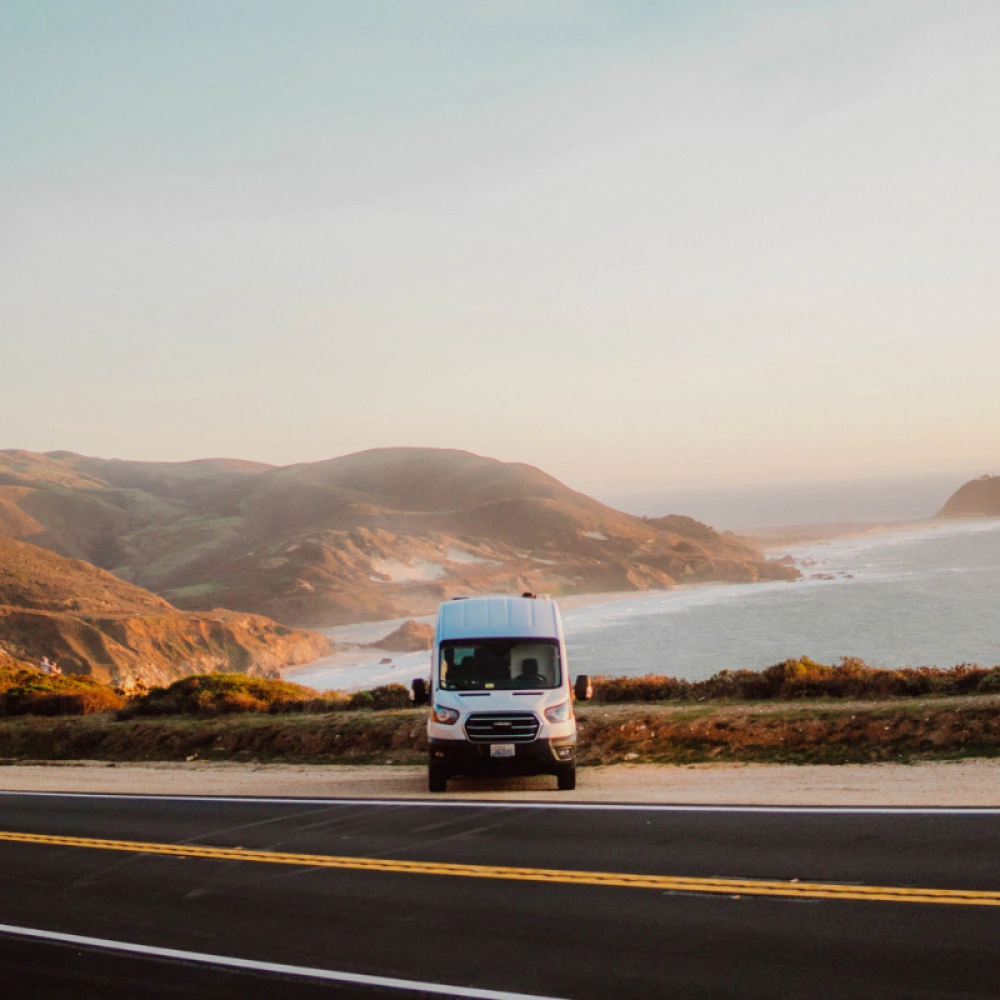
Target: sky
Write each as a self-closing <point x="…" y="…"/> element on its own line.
<point x="644" y="246"/>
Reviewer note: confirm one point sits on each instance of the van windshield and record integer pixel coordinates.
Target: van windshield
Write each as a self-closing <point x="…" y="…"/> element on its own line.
<point x="499" y="664"/>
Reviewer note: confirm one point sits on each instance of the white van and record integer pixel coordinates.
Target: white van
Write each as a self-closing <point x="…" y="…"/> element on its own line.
<point x="500" y="693"/>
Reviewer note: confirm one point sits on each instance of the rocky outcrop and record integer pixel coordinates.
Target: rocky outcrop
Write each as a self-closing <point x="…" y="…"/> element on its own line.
<point x="93" y="624"/>
<point x="977" y="498"/>
<point x="410" y="637"/>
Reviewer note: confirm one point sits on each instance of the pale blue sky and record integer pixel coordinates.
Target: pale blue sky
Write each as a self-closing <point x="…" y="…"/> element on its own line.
<point x="644" y="246"/>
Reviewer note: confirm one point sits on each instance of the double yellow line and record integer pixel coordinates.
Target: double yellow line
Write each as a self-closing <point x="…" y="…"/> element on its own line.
<point x="664" y="883"/>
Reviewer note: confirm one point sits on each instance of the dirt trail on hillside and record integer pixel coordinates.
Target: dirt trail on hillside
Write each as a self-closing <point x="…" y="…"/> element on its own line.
<point x="959" y="783"/>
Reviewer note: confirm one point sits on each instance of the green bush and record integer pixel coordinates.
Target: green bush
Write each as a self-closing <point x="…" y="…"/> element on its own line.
<point x="223" y="694"/>
<point x="25" y="691"/>
<point x="991" y="681"/>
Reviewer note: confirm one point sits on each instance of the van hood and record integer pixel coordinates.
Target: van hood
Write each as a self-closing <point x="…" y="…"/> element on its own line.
<point x="502" y="701"/>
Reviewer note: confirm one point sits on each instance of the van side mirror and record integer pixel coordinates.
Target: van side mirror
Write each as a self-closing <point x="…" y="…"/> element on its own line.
<point x="583" y="690"/>
<point x="418" y="692"/>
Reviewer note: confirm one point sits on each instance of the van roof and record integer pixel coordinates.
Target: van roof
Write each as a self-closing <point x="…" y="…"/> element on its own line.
<point x="491" y="617"/>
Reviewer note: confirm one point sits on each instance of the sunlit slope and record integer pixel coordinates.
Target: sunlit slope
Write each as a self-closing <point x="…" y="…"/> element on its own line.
<point x="977" y="498"/>
<point x="93" y="623"/>
<point x="382" y="533"/>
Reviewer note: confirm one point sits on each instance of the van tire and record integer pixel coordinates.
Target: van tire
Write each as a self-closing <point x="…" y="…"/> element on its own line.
<point x="437" y="779"/>
<point x="566" y="778"/>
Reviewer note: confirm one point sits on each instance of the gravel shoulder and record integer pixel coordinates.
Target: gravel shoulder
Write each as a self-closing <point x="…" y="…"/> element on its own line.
<point x="951" y="783"/>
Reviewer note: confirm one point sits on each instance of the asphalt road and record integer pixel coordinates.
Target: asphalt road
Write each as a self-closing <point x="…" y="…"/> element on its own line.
<point x="577" y="903"/>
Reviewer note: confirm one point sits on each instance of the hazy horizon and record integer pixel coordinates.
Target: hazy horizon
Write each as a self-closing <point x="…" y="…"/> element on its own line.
<point x="757" y="505"/>
<point x="646" y="248"/>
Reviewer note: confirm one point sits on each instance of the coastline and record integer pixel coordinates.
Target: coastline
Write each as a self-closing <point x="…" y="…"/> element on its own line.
<point x="691" y="628"/>
<point x="360" y="635"/>
<point x="778" y="538"/>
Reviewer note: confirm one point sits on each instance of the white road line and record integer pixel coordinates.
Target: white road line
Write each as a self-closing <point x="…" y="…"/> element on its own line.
<point x="225" y="961"/>
<point x="515" y="804"/>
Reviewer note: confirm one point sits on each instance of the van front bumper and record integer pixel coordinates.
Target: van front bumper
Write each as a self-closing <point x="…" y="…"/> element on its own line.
<point x="537" y="757"/>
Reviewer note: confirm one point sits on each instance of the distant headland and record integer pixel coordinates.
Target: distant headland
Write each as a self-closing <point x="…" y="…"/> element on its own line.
<point x="977" y="498"/>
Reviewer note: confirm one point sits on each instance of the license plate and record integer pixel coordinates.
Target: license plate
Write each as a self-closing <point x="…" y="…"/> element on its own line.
<point x="501" y="749"/>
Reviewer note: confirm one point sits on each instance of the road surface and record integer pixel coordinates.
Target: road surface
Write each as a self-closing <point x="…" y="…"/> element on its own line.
<point x="131" y="897"/>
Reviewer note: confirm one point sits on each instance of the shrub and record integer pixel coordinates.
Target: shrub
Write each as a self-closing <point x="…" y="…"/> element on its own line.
<point x="223" y="694"/>
<point x="381" y="698"/>
<point x="803" y="678"/>
<point x="991" y="681"/>
<point x="29" y="692"/>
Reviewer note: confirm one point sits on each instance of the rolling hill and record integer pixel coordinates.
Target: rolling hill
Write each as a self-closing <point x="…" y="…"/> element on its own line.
<point x="976" y="498"/>
<point x="386" y="533"/>
<point x="95" y="624"/>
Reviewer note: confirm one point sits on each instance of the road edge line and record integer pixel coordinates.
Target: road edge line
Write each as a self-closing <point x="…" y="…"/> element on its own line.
<point x="252" y="965"/>
<point x="666" y="807"/>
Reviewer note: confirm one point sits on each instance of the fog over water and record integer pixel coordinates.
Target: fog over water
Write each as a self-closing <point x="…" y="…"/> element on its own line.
<point x="921" y="597"/>
<point x="894" y="498"/>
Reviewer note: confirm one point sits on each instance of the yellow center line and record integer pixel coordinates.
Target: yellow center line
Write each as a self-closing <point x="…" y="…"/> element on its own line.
<point x="666" y="883"/>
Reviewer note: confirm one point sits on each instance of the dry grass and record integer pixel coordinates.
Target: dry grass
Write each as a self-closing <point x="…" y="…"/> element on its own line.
<point x="796" y="679"/>
<point x="774" y="733"/>
<point x="855" y="714"/>
<point x="788" y="733"/>
<point x="340" y="737"/>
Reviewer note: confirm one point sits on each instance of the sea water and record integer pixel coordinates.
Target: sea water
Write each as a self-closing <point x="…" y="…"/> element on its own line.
<point x="922" y="597"/>
<point x="926" y="597"/>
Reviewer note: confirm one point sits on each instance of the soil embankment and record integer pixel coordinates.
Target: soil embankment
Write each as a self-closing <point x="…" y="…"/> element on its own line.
<point x="851" y="732"/>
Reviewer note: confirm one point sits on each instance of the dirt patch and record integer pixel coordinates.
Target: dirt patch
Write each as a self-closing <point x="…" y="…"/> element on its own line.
<point x="960" y="783"/>
<point x="852" y="733"/>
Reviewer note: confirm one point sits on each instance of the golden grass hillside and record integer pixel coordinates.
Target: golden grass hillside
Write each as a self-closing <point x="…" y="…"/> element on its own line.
<point x="387" y="533"/>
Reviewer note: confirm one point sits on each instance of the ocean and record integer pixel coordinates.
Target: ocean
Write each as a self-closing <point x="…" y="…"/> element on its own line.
<point x="928" y="596"/>
<point x="897" y="498"/>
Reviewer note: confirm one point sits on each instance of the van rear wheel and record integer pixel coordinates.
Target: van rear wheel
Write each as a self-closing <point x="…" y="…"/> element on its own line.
<point x="567" y="778"/>
<point x="437" y="779"/>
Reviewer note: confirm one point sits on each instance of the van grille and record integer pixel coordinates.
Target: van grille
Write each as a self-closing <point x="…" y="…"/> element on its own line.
<point x="501" y="727"/>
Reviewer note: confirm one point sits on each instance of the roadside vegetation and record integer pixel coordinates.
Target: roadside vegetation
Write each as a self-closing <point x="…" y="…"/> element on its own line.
<point x="821" y="733"/>
<point x="794" y="712"/>
<point x="26" y="691"/>
<point x="803" y="678"/>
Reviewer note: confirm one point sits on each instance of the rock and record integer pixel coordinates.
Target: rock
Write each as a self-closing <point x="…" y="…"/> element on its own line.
<point x="410" y="637"/>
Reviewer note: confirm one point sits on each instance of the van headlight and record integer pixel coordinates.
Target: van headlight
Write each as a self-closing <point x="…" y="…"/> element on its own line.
<point x="446" y="716"/>
<point x="558" y="713"/>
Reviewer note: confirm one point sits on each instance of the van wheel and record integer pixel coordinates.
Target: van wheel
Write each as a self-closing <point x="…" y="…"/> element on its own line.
<point x="437" y="779"/>
<point x="567" y="778"/>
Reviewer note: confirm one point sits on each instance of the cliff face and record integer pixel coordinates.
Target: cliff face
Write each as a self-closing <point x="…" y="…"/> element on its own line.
<point x="977" y="498"/>
<point x="91" y="623"/>
<point x="381" y="534"/>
